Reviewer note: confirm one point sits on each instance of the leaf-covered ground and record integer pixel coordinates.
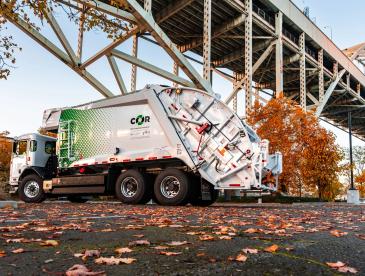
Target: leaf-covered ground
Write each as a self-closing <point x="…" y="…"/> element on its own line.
<point x="116" y="239"/>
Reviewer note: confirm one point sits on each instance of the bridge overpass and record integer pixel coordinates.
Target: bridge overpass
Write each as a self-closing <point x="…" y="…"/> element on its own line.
<point x="264" y="45"/>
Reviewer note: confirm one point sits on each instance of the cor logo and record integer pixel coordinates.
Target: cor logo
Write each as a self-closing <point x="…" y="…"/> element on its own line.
<point x="140" y="120"/>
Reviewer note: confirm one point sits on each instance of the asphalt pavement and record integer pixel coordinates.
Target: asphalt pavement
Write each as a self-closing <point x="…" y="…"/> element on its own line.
<point x="225" y="239"/>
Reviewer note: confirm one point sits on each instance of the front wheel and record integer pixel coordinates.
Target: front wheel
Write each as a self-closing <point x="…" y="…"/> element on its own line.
<point x="132" y="188"/>
<point x="31" y="189"/>
<point x="172" y="187"/>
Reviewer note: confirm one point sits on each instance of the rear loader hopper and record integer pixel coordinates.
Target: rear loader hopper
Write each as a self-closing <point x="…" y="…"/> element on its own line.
<point x="175" y="145"/>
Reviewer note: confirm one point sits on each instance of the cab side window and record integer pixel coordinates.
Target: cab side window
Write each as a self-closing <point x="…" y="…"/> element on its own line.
<point x="22" y="147"/>
<point x="50" y="147"/>
<point x="33" y="146"/>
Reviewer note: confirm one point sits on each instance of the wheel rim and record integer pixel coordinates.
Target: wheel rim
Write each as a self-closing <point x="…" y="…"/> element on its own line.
<point x="31" y="189"/>
<point x="170" y="187"/>
<point x="129" y="186"/>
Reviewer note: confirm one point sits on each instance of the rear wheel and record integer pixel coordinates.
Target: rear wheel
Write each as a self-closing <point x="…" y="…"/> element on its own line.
<point x="172" y="187"/>
<point x="132" y="188"/>
<point x="31" y="189"/>
<point x="77" y="199"/>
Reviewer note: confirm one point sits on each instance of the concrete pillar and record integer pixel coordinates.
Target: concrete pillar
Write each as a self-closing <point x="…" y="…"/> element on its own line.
<point x="353" y="196"/>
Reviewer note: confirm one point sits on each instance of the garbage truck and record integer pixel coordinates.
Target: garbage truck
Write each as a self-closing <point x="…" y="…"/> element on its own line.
<point x="172" y="145"/>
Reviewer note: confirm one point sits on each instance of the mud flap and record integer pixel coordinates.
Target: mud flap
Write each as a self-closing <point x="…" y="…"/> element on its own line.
<point x="205" y="190"/>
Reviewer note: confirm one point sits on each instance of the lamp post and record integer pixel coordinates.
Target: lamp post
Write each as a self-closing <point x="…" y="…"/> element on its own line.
<point x="349" y="118"/>
<point x="352" y="193"/>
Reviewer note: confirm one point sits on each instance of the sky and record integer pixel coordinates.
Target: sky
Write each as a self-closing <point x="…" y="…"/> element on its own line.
<point x="40" y="81"/>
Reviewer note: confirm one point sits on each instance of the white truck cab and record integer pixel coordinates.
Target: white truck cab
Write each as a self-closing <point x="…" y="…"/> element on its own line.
<point x="31" y="152"/>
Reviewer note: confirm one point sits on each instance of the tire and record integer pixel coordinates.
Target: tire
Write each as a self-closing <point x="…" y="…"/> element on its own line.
<point x="31" y="189"/>
<point x="196" y="199"/>
<point x="77" y="199"/>
<point x="132" y="188"/>
<point x="172" y="187"/>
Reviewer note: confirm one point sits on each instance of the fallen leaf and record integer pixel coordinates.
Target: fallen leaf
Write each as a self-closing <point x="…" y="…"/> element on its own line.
<point x="122" y="250"/>
<point x="175" y="226"/>
<point x="160" y="247"/>
<point x="50" y="243"/>
<point x="250" y="251"/>
<point x="342" y="267"/>
<point x="17" y="251"/>
<point x="206" y="238"/>
<point x="107" y="230"/>
<point x="139" y="242"/>
<point x="225" y="237"/>
<point x="2" y="253"/>
<point x="177" y="243"/>
<point x="251" y="230"/>
<point x="81" y="270"/>
<point x="167" y="253"/>
<point x="114" y="261"/>
<point x="138" y="236"/>
<point x="272" y="248"/>
<point x="336" y="265"/>
<point x="195" y="233"/>
<point x="17" y="240"/>
<point x="241" y="258"/>
<point x="90" y="253"/>
<point x="338" y="233"/>
<point x="347" y="269"/>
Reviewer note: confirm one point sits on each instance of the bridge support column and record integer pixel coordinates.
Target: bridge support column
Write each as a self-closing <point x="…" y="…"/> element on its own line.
<point x="320" y="76"/>
<point x="302" y="76"/>
<point x="176" y="73"/>
<point x="248" y="56"/>
<point x="134" y="67"/>
<point x="335" y="69"/>
<point x="148" y="5"/>
<point x="235" y="83"/>
<point x="80" y="39"/>
<point x="207" y="35"/>
<point x="279" y="54"/>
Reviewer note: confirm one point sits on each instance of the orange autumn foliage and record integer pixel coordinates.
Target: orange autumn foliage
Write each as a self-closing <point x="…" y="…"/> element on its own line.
<point x="311" y="158"/>
<point x="5" y="152"/>
<point x="360" y="181"/>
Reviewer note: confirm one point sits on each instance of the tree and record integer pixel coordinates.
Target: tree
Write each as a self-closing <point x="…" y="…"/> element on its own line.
<point x="47" y="133"/>
<point x="5" y="151"/>
<point x="358" y="156"/>
<point x="360" y="181"/>
<point x="311" y="159"/>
